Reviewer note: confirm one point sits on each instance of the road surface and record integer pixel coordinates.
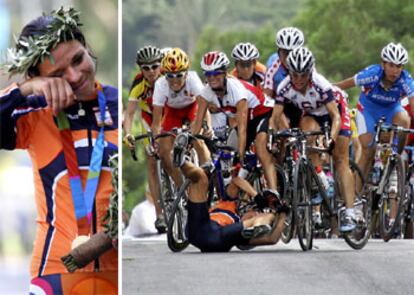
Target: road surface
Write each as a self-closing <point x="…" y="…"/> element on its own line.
<point x="332" y="267"/>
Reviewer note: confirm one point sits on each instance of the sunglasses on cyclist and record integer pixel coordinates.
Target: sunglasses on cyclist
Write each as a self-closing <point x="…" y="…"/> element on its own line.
<point x="174" y="75"/>
<point x="150" y="67"/>
<point x="213" y="73"/>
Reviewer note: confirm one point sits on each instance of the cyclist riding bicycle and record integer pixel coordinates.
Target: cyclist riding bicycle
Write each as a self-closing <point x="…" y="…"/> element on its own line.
<point x="148" y="60"/>
<point x="321" y="103"/>
<point x="237" y="99"/>
<point x="174" y="101"/>
<point x="247" y="66"/>
<point x="287" y="39"/>
<point x="382" y="88"/>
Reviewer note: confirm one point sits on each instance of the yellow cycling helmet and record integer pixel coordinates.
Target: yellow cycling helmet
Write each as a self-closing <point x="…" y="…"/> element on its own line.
<point x="176" y="60"/>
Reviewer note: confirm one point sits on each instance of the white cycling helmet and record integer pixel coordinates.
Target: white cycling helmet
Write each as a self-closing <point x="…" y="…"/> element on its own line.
<point x="289" y="38"/>
<point x="300" y="60"/>
<point x="214" y="60"/>
<point x="148" y="54"/>
<point x="394" y="53"/>
<point x="245" y="52"/>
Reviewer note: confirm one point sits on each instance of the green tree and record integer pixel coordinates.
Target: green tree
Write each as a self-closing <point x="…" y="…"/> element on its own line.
<point x="347" y="36"/>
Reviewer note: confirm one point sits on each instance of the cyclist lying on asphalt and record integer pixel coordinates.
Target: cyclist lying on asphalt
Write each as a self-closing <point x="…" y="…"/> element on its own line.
<point x="221" y="228"/>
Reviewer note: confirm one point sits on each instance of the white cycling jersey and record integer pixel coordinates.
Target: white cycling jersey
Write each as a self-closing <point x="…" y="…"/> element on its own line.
<point x="163" y="95"/>
<point x="319" y="92"/>
<point x="235" y="92"/>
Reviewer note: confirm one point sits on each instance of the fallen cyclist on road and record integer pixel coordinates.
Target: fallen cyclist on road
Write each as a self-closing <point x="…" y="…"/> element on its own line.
<point x="220" y="228"/>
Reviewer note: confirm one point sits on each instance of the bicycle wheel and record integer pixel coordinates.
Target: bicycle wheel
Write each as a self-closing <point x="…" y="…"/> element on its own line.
<point x="390" y="203"/>
<point x="301" y="202"/>
<point x="176" y="236"/>
<point x="406" y="225"/>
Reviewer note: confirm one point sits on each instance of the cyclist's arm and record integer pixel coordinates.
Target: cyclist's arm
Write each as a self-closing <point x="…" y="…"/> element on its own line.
<point x="347" y="83"/>
<point x="269" y="92"/>
<point x="201" y="112"/>
<point x="12" y="98"/>
<point x="275" y="120"/>
<point x="335" y="118"/>
<point x="156" y="119"/>
<point x="129" y="115"/>
<point x="242" y="112"/>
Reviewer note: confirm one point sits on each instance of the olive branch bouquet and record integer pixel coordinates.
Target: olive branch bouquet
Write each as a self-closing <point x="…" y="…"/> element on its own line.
<point x="100" y="242"/>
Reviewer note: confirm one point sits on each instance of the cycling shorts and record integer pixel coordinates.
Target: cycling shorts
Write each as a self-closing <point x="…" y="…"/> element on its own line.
<point x="293" y="113"/>
<point x="344" y="131"/>
<point x="369" y="114"/>
<point x="208" y="235"/>
<point x="176" y="117"/>
<point x="255" y="126"/>
<point x="78" y="283"/>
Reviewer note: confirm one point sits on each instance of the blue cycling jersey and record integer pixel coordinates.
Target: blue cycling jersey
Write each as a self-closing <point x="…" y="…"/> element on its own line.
<point x="373" y="91"/>
<point x="275" y="72"/>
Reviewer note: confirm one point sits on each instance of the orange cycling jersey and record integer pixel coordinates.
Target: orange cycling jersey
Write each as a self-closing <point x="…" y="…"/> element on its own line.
<point x="258" y="75"/>
<point x="27" y="123"/>
<point x="224" y="213"/>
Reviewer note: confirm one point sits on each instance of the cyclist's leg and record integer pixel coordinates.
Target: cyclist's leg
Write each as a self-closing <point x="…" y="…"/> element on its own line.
<point x="274" y="236"/>
<point x="341" y="161"/>
<point x="308" y="123"/>
<point x="166" y="146"/>
<point x="341" y="157"/>
<point x="263" y="154"/>
<point x="153" y="182"/>
<point x="401" y="118"/>
<point x="173" y="118"/>
<point x="366" y="129"/>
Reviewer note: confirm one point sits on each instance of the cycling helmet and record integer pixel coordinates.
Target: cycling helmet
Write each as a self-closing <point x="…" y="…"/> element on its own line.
<point x="394" y="53"/>
<point x="245" y="52"/>
<point x="175" y="60"/>
<point x="289" y="38"/>
<point x="148" y="54"/>
<point x="214" y="60"/>
<point x="165" y="50"/>
<point x="300" y="60"/>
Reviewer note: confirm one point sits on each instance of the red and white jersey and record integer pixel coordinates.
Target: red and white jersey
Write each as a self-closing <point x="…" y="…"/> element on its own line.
<point x="319" y="92"/>
<point x="163" y="95"/>
<point x="236" y="91"/>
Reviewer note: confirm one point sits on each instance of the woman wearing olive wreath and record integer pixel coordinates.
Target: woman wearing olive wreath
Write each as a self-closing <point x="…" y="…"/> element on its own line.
<point x="68" y="123"/>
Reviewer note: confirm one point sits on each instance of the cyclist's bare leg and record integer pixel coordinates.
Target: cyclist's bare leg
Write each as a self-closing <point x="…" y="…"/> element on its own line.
<point x="341" y="161"/>
<point x="153" y="184"/>
<point x="243" y="184"/>
<point x="365" y="162"/>
<point x="274" y="236"/>
<point x="166" y="146"/>
<point x="202" y="151"/>
<point x="266" y="160"/>
<point x="199" y="182"/>
<point x="309" y="124"/>
<point x="402" y="119"/>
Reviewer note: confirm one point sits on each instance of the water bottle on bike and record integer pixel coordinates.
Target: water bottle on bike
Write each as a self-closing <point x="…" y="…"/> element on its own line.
<point x="376" y="171"/>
